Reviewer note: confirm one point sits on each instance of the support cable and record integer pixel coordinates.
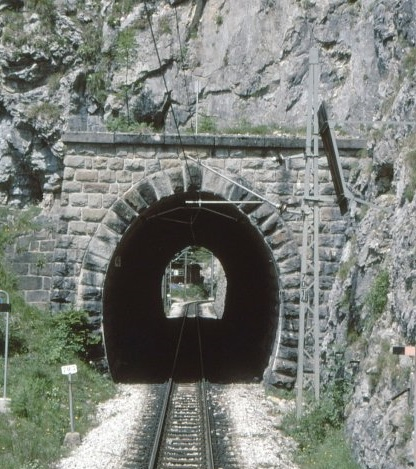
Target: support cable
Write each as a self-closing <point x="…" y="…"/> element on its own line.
<point x="149" y="20"/>
<point x="279" y="206"/>
<point x="188" y="99"/>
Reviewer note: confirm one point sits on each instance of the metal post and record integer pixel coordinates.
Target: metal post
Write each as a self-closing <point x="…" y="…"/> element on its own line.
<point x="196" y="107"/>
<point x="186" y="274"/>
<point x="310" y="242"/>
<point x="71" y="407"/>
<point x="170" y="285"/>
<point x="414" y="412"/>
<point x="6" y="355"/>
<point x="314" y="59"/>
<point x="212" y="276"/>
<point x="6" y="308"/>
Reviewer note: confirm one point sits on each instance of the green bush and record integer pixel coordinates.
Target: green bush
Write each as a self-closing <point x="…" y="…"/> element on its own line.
<point x="245" y="127"/>
<point x="69" y="334"/>
<point x="122" y="124"/>
<point x="31" y="436"/>
<point x="96" y="87"/>
<point x="44" y="111"/>
<point x="45" y="9"/>
<point x="319" y="431"/>
<point x="333" y="452"/>
<point x="207" y="125"/>
<point x="409" y="62"/>
<point x="193" y="292"/>
<point x="410" y="188"/>
<point x="317" y="423"/>
<point x="376" y="298"/>
<point x="90" y="50"/>
<point x="15" y="223"/>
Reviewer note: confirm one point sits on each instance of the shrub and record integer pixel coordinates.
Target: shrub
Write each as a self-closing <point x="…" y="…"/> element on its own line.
<point x="44" y="111"/>
<point x="410" y="188"/>
<point x="90" y="50"/>
<point x="15" y="223"/>
<point x="122" y="124"/>
<point x="45" y="9"/>
<point x="164" y="25"/>
<point x="96" y="87"/>
<point x="193" y="292"/>
<point x="319" y="432"/>
<point x="376" y="298"/>
<point x="409" y="62"/>
<point x="332" y="452"/>
<point x="69" y="334"/>
<point x="207" y="125"/>
<point x="319" y="421"/>
<point x="31" y="437"/>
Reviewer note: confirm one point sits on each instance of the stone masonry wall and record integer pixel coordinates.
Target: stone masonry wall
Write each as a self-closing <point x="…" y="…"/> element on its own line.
<point x="109" y="178"/>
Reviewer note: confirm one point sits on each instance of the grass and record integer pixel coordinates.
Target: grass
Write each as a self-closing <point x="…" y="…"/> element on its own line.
<point x="376" y="299"/>
<point x="49" y="112"/>
<point x="122" y="124"/>
<point x="320" y="431"/>
<point x="31" y="435"/>
<point x="333" y="452"/>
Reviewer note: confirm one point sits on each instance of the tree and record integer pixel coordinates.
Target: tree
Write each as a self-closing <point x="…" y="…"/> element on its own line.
<point x="125" y="46"/>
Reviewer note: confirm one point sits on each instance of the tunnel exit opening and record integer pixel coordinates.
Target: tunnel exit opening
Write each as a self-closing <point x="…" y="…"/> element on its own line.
<point x="193" y="275"/>
<point x="140" y="340"/>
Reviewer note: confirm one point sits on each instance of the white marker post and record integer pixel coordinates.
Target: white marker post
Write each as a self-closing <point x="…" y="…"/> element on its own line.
<point x="196" y="106"/>
<point x="410" y="352"/>
<point x="5" y="307"/>
<point x="70" y="370"/>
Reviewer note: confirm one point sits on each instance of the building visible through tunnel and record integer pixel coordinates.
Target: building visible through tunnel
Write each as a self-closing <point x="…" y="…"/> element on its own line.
<point x="140" y="340"/>
<point x="192" y="274"/>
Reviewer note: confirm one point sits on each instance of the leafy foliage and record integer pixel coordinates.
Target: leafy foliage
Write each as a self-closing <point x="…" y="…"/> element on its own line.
<point x="376" y="298"/>
<point x="207" y="125"/>
<point x="320" y="433"/>
<point x="15" y="223"/>
<point x="90" y="50"/>
<point x="96" y="86"/>
<point x="122" y="124"/>
<point x="409" y="61"/>
<point x="410" y="188"/>
<point x="330" y="453"/>
<point x="192" y="292"/>
<point x="45" y="9"/>
<point x="31" y="437"/>
<point x="69" y="334"/>
<point x="44" y="111"/>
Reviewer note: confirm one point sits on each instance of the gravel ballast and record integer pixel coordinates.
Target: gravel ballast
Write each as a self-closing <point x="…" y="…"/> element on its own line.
<point x="255" y="420"/>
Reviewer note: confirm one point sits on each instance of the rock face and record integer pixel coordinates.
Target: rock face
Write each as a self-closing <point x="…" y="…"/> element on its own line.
<point x="104" y="65"/>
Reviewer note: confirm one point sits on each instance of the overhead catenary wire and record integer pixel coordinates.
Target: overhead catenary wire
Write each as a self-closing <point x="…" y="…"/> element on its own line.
<point x="149" y="20"/>
<point x="185" y="156"/>
<point x="181" y="55"/>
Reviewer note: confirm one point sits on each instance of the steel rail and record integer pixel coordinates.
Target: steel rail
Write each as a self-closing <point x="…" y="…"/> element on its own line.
<point x="208" y="456"/>
<point x="160" y="428"/>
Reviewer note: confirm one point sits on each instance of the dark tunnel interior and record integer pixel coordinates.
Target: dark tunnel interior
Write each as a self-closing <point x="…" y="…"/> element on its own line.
<point x="141" y="342"/>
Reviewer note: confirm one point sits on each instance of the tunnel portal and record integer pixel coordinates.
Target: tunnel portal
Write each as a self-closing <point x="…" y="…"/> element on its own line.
<point x="140" y="341"/>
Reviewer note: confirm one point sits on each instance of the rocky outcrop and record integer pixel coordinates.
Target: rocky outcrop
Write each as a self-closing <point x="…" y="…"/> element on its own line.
<point x="122" y="68"/>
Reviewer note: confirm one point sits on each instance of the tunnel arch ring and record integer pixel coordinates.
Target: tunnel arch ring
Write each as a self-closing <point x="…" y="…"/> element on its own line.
<point x="176" y="183"/>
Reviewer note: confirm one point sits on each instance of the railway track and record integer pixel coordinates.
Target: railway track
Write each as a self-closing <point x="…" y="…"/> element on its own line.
<point x="183" y="438"/>
<point x="181" y="431"/>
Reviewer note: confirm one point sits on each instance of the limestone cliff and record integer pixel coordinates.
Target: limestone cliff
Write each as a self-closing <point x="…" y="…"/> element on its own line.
<point x="135" y="65"/>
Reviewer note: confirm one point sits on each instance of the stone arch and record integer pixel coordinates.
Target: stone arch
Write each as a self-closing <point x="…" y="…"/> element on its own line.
<point x="177" y="179"/>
